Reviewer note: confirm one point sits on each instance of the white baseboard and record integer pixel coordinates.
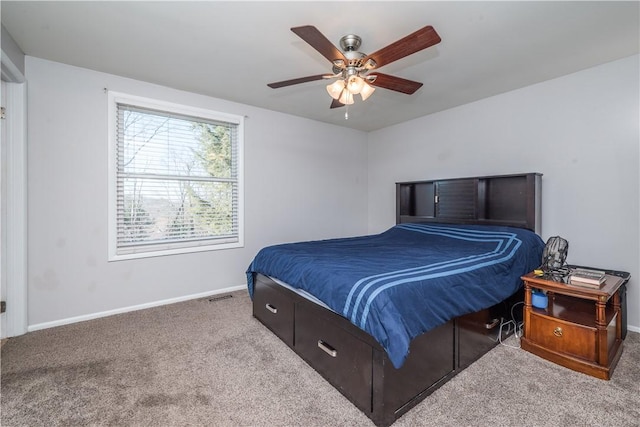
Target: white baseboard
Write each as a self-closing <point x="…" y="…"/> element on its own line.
<point x="92" y="316"/>
<point x="633" y="328"/>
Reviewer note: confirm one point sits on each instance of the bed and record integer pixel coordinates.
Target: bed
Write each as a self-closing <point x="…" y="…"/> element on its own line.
<point x="389" y="318"/>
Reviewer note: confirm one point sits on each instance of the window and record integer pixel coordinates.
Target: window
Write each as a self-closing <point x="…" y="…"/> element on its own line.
<point x="175" y="178"/>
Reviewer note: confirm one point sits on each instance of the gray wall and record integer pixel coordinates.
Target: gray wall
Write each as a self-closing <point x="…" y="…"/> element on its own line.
<point x="580" y="131"/>
<point x="303" y="180"/>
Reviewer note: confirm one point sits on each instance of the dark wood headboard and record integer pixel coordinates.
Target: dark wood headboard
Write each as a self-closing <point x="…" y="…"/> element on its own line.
<point x="511" y="200"/>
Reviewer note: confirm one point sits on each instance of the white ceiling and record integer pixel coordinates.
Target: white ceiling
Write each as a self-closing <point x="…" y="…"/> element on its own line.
<point x="231" y="50"/>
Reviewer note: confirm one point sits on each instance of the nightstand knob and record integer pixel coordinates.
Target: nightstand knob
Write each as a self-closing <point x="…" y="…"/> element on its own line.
<point x="557" y="331"/>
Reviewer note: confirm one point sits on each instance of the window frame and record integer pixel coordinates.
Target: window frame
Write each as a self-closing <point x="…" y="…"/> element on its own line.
<point x="152" y="250"/>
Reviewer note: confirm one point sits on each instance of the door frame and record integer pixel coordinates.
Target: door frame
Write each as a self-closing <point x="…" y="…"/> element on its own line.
<point x="14" y="201"/>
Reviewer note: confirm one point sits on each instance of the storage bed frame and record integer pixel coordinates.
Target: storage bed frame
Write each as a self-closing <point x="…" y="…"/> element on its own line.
<point x="353" y="361"/>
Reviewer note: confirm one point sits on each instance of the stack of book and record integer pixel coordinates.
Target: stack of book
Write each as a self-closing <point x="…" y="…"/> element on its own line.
<point x="587" y="278"/>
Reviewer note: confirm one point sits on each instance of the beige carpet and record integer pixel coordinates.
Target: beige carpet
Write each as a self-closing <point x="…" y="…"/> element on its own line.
<point x="201" y="363"/>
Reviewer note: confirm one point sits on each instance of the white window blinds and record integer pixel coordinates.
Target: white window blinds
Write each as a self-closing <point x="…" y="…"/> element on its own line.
<point x="177" y="180"/>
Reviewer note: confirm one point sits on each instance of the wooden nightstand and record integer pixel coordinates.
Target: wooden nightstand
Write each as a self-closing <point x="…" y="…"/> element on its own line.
<point x="580" y="328"/>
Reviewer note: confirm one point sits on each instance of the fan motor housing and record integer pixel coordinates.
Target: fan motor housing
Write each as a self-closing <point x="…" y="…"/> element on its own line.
<point x="350" y="45"/>
<point x="350" y="42"/>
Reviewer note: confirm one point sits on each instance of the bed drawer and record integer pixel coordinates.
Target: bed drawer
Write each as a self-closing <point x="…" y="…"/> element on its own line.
<point x="346" y="362"/>
<point x="563" y="337"/>
<point x="274" y="307"/>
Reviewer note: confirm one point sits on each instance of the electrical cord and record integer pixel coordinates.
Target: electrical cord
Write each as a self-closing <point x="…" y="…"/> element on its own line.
<point x="517" y="327"/>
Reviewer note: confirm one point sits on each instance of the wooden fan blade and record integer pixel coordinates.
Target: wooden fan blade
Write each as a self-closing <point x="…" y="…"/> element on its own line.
<point x="336" y="104"/>
<point x="414" y="42"/>
<point x="319" y="42"/>
<point x="395" y="83"/>
<point x="298" y="81"/>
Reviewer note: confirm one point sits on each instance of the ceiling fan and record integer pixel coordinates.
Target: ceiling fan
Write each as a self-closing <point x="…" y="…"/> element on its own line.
<point x="355" y="72"/>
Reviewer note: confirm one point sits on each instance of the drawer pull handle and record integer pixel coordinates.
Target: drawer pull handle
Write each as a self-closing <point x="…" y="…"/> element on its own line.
<point x="271" y="308"/>
<point x="327" y="348"/>
<point x="492" y="324"/>
<point x="557" y="331"/>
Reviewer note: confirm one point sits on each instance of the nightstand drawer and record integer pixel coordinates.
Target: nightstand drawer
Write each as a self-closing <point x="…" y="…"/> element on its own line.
<point x="563" y="337"/>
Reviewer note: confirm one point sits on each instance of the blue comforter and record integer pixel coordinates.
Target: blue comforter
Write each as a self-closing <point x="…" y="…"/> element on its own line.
<point x="409" y="279"/>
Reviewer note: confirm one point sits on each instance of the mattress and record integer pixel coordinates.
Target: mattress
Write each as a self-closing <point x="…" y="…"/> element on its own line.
<point x="304" y="294"/>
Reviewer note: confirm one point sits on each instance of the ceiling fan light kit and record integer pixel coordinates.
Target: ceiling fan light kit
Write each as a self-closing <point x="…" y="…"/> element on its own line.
<point x="355" y="72"/>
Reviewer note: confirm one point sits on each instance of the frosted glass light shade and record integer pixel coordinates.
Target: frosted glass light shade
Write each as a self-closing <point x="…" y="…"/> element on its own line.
<point x="355" y="84"/>
<point x="335" y="89"/>
<point x="366" y="91"/>
<point x="346" y="98"/>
